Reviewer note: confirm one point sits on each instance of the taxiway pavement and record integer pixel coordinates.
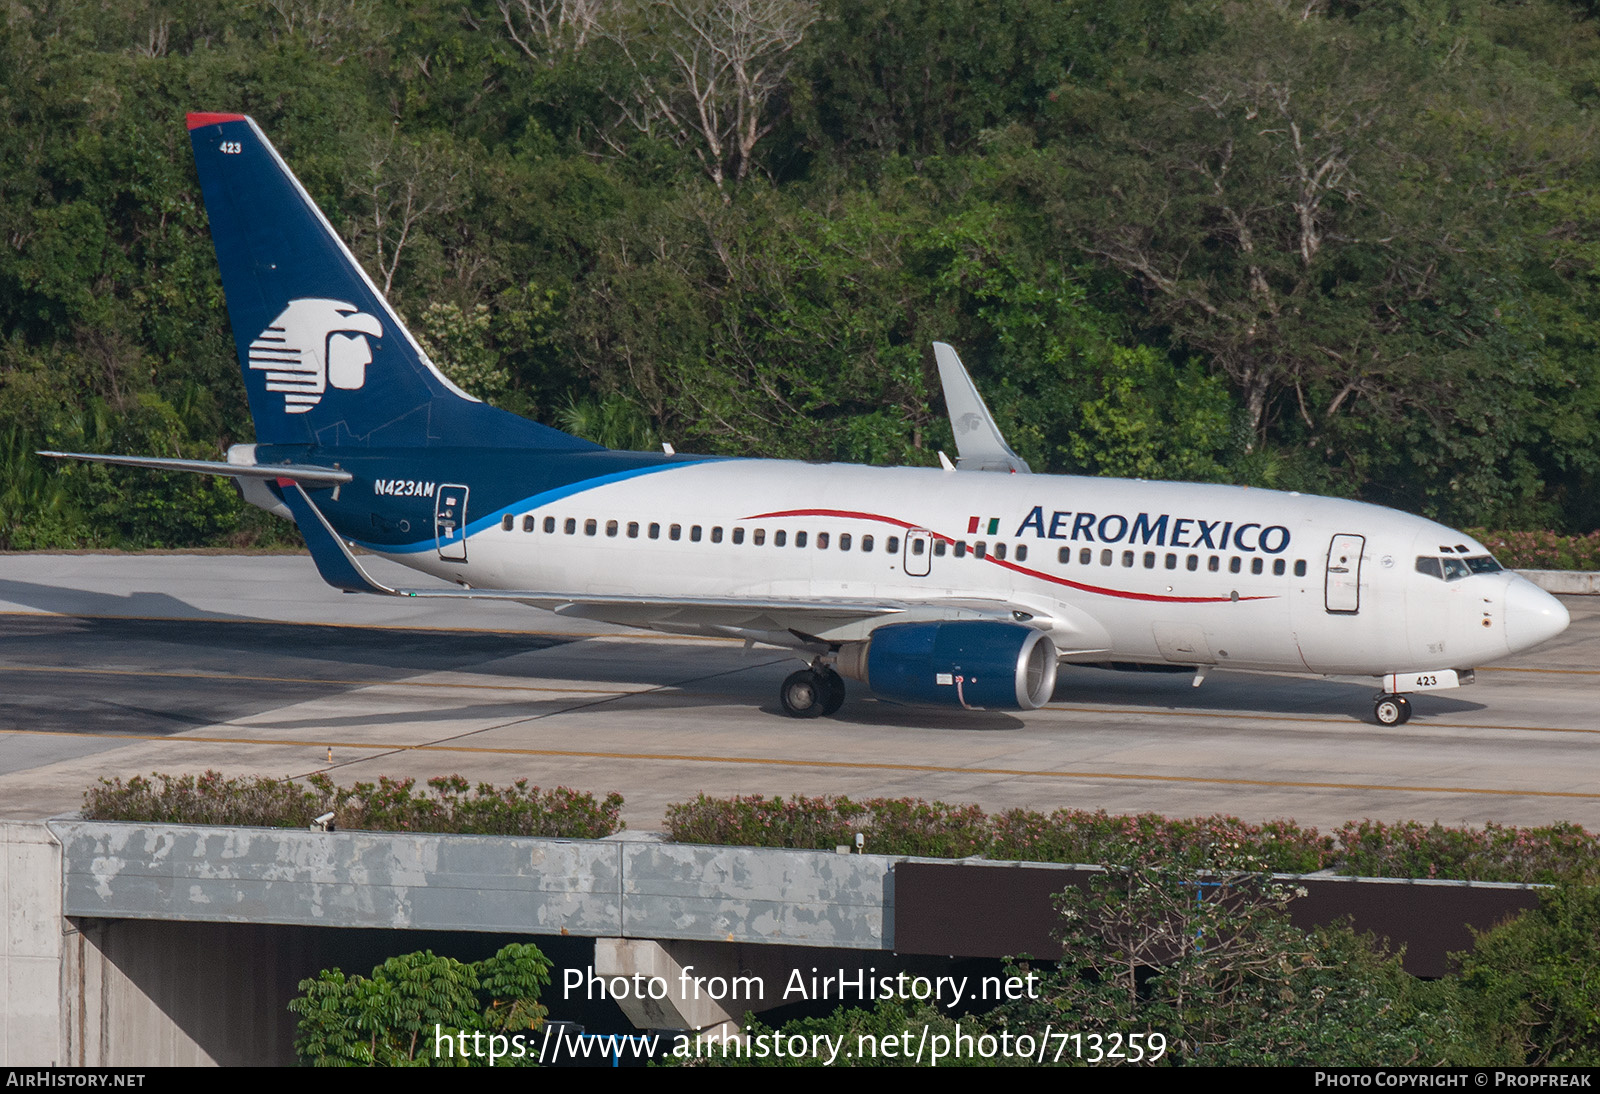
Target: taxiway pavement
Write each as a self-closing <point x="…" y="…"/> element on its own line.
<point x="119" y="665"/>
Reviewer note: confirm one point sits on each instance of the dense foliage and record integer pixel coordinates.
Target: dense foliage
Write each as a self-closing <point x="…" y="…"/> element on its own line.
<point x="389" y="805"/>
<point x="907" y="826"/>
<point x="1341" y="247"/>
<point x="414" y="1010"/>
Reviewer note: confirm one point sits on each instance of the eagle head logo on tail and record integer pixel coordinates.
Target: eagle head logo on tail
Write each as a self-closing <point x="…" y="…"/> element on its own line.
<point x="312" y="345"/>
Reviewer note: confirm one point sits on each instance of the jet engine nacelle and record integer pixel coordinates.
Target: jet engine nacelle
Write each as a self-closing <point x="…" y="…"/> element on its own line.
<point x="973" y="664"/>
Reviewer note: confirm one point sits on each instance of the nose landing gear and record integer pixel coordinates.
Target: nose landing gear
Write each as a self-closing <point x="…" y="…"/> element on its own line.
<point x="1391" y="710"/>
<point x="812" y="693"/>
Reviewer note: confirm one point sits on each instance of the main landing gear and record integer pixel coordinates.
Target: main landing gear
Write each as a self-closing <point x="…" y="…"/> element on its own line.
<point x="1391" y="710"/>
<point x="812" y="692"/>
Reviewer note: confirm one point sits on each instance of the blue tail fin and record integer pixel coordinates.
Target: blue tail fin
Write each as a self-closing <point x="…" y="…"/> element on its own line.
<point x="325" y="359"/>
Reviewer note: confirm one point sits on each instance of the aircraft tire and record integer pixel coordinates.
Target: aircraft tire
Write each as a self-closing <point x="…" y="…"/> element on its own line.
<point x="1392" y="710"/>
<point x="804" y="695"/>
<point x="833" y="693"/>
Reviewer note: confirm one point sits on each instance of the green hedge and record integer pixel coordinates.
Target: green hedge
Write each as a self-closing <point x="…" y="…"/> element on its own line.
<point x="1542" y="550"/>
<point x="906" y="826"/>
<point x="450" y="804"/>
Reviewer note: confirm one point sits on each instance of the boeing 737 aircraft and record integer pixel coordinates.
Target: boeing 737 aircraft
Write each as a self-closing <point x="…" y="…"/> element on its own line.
<point x="962" y="586"/>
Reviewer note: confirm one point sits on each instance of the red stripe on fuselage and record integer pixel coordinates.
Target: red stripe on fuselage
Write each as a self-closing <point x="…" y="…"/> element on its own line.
<point x="1097" y="589"/>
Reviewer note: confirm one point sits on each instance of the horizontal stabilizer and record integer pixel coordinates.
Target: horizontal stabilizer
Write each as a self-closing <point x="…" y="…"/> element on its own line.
<point x="980" y="445"/>
<point x="295" y="472"/>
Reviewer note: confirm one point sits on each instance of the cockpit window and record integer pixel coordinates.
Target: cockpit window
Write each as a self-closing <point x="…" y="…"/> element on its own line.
<point x="1454" y="569"/>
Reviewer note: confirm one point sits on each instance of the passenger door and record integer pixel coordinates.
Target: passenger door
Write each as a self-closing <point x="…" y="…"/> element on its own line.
<point x="1342" y="592"/>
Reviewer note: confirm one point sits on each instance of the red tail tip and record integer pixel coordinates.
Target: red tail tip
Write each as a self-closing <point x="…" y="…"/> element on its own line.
<point x="197" y="120"/>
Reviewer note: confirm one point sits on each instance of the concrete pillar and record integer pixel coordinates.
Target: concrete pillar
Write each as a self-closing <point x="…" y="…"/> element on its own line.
<point x="708" y="986"/>
<point x="31" y="946"/>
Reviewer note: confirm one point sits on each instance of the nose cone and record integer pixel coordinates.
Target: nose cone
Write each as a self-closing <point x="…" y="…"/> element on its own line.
<point x="1532" y="615"/>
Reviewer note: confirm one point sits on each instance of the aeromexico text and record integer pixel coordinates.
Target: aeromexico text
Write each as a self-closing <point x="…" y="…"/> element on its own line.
<point x="1162" y="531"/>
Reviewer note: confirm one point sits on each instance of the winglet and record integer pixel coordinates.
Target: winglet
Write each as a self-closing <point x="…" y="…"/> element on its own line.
<point x="979" y="443"/>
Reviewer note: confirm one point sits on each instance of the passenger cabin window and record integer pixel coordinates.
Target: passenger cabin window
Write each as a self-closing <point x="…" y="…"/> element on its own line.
<point x="1193" y="562"/>
<point x="799" y="539"/>
<point x="1278" y="567"/>
<point x="822" y="541"/>
<point x="507" y="522"/>
<point x="1149" y="560"/>
<point x="528" y="523"/>
<point x="1233" y="564"/>
<point x="738" y="536"/>
<point x="778" y="537"/>
<point x="716" y="534"/>
<point x="1127" y="558"/>
<point x="866" y="544"/>
<point x="675" y="532"/>
<point x="1172" y="562"/>
<point x="1064" y="555"/>
<point x="844" y="541"/>
<point x="961" y="548"/>
<point x="611" y="528"/>
<point x="655" y="530"/>
<point x="892" y="545"/>
<point x="590" y="527"/>
<point x="1000" y="551"/>
<point x="694" y="533"/>
<point x="1213" y="564"/>
<point x="633" y="529"/>
<point x="1256" y="565"/>
<point x="549" y="524"/>
<point x="571" y="526"/>
<point x="980" y="549"/>
<point x="1299" y="567"/>
<point x="1085" y="556"/>
<point x="938" y="547"/>
<point x="758" y="537"/>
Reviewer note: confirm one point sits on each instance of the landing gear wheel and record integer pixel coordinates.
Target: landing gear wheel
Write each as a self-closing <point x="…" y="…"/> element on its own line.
<point x="805" y="694"/>
<point x="833" y="692"/>
<point x="1392" y="710"/>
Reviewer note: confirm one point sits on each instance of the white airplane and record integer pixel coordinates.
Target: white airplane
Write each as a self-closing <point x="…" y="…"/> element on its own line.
<point x="962" y="586"/>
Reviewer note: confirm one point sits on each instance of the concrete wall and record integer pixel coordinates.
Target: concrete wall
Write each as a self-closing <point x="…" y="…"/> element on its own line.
<point x="1565" y="582"/>
<point x="593" y="888"/>
<point x="31" y="945"/>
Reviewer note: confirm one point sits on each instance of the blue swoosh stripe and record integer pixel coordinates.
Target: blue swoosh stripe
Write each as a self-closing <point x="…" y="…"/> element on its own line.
<point x="533" y="502"/>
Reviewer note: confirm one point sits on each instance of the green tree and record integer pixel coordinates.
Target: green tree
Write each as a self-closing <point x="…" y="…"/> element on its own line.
<point x="399" y="1015"/>
<point x="1212" y="961"/>
<point x="1530" y="984"/>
